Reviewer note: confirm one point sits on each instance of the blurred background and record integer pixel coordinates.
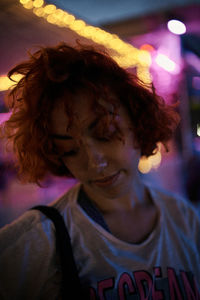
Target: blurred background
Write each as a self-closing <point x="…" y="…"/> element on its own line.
<point x="158" y="40"/>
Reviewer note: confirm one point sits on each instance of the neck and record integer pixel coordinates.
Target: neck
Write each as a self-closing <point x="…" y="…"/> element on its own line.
<point x="135" y="195"/>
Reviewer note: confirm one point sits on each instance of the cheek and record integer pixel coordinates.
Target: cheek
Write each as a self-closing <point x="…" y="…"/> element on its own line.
<point x="76" y="167"/>
<point x="130" y="157"/>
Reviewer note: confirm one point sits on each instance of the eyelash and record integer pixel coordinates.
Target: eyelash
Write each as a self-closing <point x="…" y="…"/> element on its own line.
<point x="70" y="153"/>
<point x="102" y="139"/>
<point x="108" y="137"/>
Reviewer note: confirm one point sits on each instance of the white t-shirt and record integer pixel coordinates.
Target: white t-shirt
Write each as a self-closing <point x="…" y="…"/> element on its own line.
<point x="164" y="266"/>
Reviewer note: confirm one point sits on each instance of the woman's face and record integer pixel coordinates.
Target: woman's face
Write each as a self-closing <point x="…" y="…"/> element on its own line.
<point x="102" y="162"/>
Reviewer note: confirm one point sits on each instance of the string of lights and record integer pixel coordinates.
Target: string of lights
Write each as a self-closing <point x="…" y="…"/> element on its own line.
<point x="126" y="55"/>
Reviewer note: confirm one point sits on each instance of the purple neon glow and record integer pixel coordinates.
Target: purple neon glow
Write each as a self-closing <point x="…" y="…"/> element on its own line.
<point x="193" y="60"/>
<point x="197" y="143"/>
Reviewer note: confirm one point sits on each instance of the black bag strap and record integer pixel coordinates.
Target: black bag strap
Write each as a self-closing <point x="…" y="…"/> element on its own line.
<point x="70" y="279"/>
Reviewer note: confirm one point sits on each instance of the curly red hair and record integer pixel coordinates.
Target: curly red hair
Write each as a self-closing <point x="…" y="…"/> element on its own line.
<point x="52" y="72"/>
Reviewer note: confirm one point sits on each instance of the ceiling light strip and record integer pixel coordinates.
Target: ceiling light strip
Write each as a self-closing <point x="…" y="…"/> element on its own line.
<point x="125" y="54"/>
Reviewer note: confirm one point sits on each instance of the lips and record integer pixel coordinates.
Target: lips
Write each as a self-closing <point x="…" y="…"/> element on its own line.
<point x="107" y="180"/>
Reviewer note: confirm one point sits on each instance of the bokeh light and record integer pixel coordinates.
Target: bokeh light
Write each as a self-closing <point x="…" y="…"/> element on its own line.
<point x="6" y="83"/>
<point x="167" y="64"/>
<point x="146" y="164"/>
<point x="198" y="129"/>
<point x="176" y="27"/>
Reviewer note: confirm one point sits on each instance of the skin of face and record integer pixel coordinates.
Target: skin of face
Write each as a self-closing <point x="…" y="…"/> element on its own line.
<point x="107" y="168"/>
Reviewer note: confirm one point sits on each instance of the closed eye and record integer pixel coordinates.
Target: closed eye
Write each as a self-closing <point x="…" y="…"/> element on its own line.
<point x="103" y="139"/>
<point x="69" y="153"/>
<point x="106" y="136"/>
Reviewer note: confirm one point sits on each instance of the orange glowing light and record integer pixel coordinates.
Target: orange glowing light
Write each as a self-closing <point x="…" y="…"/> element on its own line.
<point x="147" y="47"/>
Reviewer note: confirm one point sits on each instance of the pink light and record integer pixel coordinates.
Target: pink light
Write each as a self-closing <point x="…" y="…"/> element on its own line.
<point x="193" y="60"/>
<point x="167" y="64"/>
<point x="4" y="117"/>
<point x="176" y="27"/>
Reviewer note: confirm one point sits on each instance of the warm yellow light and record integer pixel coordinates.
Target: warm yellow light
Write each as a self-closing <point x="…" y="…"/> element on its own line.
<point x="89" y="31"/>
<point x="125" y="61"/>
<point x="56" y="17"/>
<point x="39" y="11"/>
<point x="115" y="43"/>
<point x="23" y="1"/>
<point x="49" y="9"/>
<point x="100" y="36"/>
<point x="28" y="5"/>
<point x="144" y="165"/>
<point x="59" y="13"/>
<point x="147" y="163"/>
<point x="51" y="19"/>
<point x="67" y="18"/>
<point x="77" y="25"/>
<point x="38" y="3"/>
<point x="6" y="83"/>
<point x="144" y="74"/>
<point x="144" y="58"/>
<point x="155" y="159"/>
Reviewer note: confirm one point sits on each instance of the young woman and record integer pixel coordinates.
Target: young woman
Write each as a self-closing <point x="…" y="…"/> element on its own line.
<point x="76" y="113"/>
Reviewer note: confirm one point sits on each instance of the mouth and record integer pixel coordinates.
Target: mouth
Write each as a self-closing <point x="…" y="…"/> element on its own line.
<point x="108" y="180"/>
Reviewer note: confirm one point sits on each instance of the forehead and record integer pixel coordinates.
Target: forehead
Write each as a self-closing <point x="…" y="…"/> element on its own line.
<point x="82" y="109"/>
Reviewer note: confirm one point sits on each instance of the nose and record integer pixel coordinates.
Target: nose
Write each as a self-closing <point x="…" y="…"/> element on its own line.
<point x="95" y="156"/>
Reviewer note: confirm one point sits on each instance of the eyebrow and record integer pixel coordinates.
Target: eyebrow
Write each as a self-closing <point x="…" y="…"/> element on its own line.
<point x="68" y="137"/>
<point x="61" y="137"/>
